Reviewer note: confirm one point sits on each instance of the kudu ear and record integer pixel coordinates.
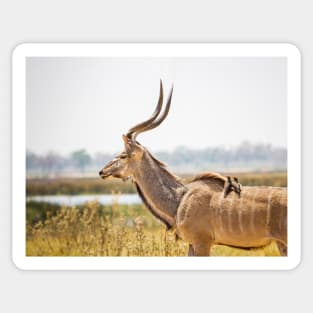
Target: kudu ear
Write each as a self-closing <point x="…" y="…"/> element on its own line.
<point x="127" y="144"/>
<point x="125" y="139"/>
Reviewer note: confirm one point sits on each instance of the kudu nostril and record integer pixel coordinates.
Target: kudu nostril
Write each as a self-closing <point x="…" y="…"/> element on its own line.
<point x="100" y="173"/>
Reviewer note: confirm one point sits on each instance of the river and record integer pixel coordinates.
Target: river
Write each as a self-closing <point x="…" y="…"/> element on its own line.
<point x="70" y="200"/>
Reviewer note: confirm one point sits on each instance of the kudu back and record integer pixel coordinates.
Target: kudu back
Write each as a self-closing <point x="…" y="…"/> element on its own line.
<point x="198" y="210"/>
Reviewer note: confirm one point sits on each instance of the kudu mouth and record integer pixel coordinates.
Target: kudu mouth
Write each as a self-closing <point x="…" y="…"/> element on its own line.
<point x="105" y="173"/>
<point x="103" y="176"/>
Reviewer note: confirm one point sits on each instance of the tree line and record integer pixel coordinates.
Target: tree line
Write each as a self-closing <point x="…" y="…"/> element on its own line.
<point x="244" y="157"/>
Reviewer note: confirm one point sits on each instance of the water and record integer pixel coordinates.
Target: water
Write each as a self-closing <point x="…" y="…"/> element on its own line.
<point x="69" y="200"/>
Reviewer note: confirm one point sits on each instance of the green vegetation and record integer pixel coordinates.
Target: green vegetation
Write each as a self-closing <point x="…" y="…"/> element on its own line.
<point x="73" y="186"/>
<point x="114" y="230"/>
<point x="81" y="159"/>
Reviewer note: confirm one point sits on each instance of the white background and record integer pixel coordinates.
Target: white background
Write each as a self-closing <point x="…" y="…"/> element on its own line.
<point x="134" y="21"/>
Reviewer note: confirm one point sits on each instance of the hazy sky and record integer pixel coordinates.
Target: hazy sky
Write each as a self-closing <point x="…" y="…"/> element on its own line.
<point x="89" y="103"/>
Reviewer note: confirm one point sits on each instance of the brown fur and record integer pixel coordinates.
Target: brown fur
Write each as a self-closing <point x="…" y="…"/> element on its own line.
<point x="211" y="178"/>
<point x="205" y="217"/>
<point x="150" y="208"/>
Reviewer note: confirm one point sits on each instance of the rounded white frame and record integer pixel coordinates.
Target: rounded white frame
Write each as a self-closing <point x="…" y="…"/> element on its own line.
<point x="21" y="52"/>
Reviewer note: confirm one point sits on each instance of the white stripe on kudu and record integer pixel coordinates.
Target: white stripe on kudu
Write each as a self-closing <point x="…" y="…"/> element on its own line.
<point x="240" y="215"/>
<point x="268" y="208"/>
<point x="252" y="216"/>
<point x="220" y="206"/>
<point x="229" y="216"/>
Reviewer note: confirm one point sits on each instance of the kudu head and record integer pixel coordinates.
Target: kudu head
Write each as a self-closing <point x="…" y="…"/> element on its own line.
<point x="125" y="164"/>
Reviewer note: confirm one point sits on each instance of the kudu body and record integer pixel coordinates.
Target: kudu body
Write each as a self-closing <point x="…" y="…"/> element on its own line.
<point x="198" y="210"/>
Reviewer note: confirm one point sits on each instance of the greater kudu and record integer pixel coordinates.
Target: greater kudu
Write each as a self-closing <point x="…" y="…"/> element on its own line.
<point x="198" y="210"/>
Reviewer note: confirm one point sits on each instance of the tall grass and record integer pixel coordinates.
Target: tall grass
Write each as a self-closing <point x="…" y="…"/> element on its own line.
<point x="89" y="231"/>
<point x="95" y="230"/>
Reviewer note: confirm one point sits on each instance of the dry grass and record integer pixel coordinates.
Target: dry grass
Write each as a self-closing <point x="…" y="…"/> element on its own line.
<point x="87" y="232"/>
<point x="95" y="231"/>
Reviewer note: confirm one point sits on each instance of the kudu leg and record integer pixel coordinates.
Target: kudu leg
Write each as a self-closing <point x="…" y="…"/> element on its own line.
<point x="191" y="251"/>
<point x="202" y="249"/>
<point x="283" y="250"/>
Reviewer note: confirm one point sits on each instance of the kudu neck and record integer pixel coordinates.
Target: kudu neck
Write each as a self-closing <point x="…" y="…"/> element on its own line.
<point x="161" y="191"/>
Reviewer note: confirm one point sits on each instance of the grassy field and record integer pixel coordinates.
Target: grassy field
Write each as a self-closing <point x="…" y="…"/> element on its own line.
<point x="95" y="230"/>
<point x="73" y="186"/>
<point x="114" y="230"/>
